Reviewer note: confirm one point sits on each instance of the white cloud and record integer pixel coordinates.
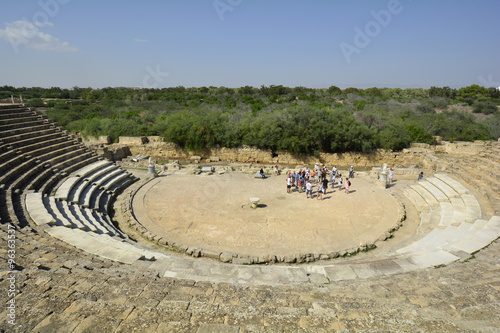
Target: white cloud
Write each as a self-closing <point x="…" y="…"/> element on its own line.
<point x="137" y="40"/>
<point x="27" y="34"/>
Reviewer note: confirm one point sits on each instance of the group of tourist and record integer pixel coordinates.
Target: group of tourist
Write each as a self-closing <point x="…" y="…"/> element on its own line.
<point x="318" y="176"/>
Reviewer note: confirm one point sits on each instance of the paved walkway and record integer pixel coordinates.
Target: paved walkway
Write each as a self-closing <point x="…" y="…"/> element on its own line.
<point x="60" y="289"/>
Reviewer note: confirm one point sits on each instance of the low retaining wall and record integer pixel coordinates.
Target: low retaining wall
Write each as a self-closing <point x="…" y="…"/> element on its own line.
<point x="421" y="155"/>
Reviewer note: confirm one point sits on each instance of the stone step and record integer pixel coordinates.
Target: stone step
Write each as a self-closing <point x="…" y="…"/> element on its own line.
<point x="87" y="195"/>
<point x="5" y="124"/>
<point x="447" y="215"/>
<point x="458" y="210"/>
<point x="50" y="184"/>
<point x="39" y="140"/>
<point x="445" y="188"/>
<point x="35" y="121"/>
<point x="61" y="219"/>
<point x="101" y="245"/>
<point x="41" y="147"/>
<point x="91" y="168"/>
<point x="434" y="258"/>
<point x="76" y="192"/>
<point x="91" y="218"/>
<point x="425" y="194"/>
<point x="92" y="177"/>
<point x="109" y="229"/>
<point x="416" y="199"/>
<point x="65" y="188"/>
<point x="66" y="209"/>
<point x="36" y="208"/>
<point x="475" y="242"/>
<point x="453" y="234"/>
<point x="456" y="185"/>
<point x="436" y="192"/>
<point x="106" y="180"/>
<point x="21" y="130"/>
<point x="428" y="241"/>
<point x="56" y="164"/>
<point x="28" y="135"/>
<point x="105" y="218"/>
<point x="78" y="212"/>
<point x="472" y="208"/>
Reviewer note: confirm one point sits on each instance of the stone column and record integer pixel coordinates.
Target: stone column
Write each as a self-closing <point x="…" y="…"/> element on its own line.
<point x="151" y="168"/>
<point x="382" y="179"/>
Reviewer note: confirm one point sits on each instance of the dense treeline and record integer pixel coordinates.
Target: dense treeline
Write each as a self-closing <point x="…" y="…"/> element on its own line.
<point x="299" y="120"/>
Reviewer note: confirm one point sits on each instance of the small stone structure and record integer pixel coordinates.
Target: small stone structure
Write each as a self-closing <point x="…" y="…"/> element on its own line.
<point x="151" y="168"/>
<point x="208" y="169"/>
<point x="255" y="202"/>
<point x="382" y="179"/>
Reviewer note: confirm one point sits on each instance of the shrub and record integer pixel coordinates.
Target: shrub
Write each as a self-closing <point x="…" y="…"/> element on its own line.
<point x="36" y="102"/>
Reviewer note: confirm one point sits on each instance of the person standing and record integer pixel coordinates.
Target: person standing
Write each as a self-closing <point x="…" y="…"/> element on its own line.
<point x="276" y="170"/>
<point x="325" y="185"/>
<point x="319" y="196"/>
<point x="308" y="189"/>
<point x="351" y="172"/>
<point x="347" y="185"/>
<point x="340" y="182"/>
<point x="300" y="182"/>
<point x="288" y="184"/>
<point x="391" y="175"/>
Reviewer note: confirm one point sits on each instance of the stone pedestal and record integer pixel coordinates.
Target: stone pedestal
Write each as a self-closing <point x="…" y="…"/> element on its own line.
<point x="382" y="179"/>
<point x="255" y="202"/>
<point x="152" y="171"/>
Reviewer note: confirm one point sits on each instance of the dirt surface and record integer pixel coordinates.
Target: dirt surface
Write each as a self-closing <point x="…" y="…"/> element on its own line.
<point x="213" y="212"/>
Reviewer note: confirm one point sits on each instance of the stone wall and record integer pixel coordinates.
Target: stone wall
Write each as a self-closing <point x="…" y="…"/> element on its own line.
<point x="422" y="155"/>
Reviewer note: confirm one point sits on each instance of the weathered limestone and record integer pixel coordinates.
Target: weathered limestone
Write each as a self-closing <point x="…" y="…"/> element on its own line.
<point x="382" y="179"/>
<point x="255" y="202"/>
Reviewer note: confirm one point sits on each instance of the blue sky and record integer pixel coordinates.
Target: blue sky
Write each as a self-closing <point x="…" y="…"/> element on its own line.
<point x="233" y="43"/>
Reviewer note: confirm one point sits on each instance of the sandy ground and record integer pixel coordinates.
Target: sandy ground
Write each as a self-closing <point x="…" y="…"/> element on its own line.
<point x="213" y="213"/>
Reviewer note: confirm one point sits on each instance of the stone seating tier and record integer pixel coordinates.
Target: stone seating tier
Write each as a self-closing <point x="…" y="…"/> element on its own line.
<point x="18" y="122"/>
<point x="487" y="186"/>
<point x="58" y="164"/>
<point x="52" y="182"/>
<point x="108" y="197"/>
<point x="26" y="129"/>
<point x="24" y="125"/>
<point x="28" y="135"/>
<point x="38" y="148"/>
<point x="26" y="142"/>
<point x="13" y="113"/>
<point x="74" y="188"/>
<point x="92" y="200"/>
<point x="35" y="165"/>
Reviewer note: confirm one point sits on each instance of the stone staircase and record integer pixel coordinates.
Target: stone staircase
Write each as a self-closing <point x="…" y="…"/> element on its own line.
<point x="481" y="172"/>
<point x="61" y="186"/>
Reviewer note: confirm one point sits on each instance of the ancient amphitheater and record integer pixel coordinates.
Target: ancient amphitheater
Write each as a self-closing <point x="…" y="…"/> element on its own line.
<point x="69" y="266"/>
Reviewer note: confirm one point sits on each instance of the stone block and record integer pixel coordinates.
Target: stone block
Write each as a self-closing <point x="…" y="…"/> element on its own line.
<point x="242" y="261"/>
<point x="210" y="254"/>
<point x="226" y="257"/>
